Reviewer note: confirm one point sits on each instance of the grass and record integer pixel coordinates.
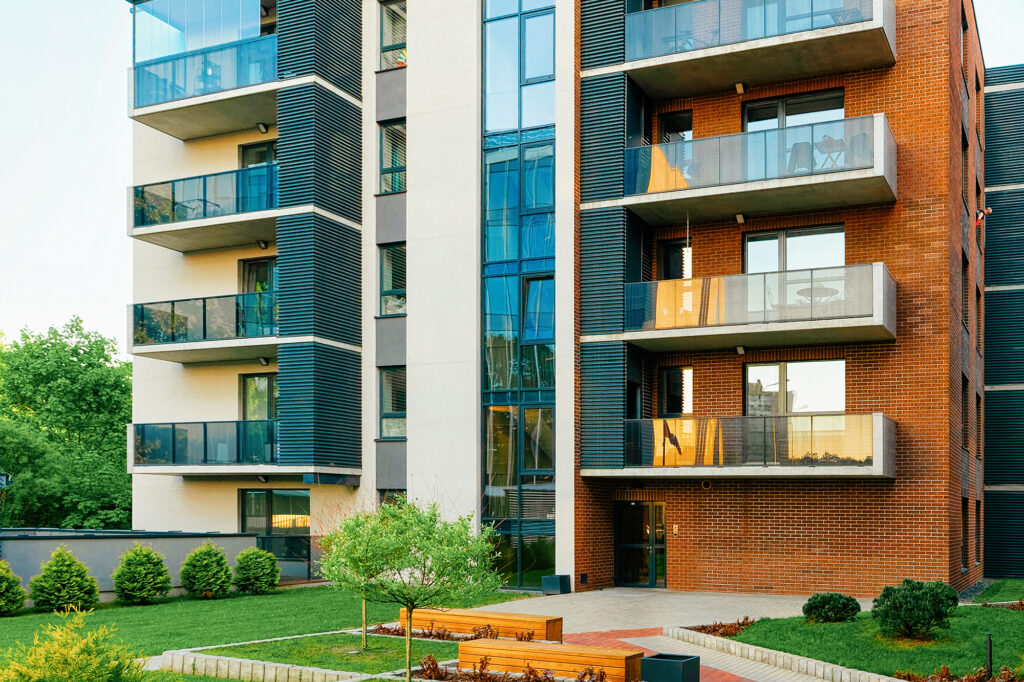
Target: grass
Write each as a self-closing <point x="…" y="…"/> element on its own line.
<point x="859" y="645"/>
<point x="341" y="652"/>
<point x="182" y="623"/>
<point x="1007" y="589"/>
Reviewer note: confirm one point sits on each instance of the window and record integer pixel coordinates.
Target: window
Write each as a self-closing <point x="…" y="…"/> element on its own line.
<point x="392" y="34"/>
<point x="275" y="512"/>
<point x="964" y="412"/>
<point x="392" y="403"/>
<point x="977" y="428"/>
<point x="823" y="247"/>
<point x="259" y="154"/>
<point x="798" y="110"/>
<point x="259" y="275"/>
<point x="965" y="155"/>
<point x="539" y="309"/>
<point x="675" y="259"/>
<point x="964" y="45"/>
<point x="259" y="397"/>
<point x="392" y="157"/>
<point x="964" y="505"/>
<point x="392" y="280"/>
<point x="675" y="391"/>
<point x="965" y="288"/>
<point x="977" y="531"/>
<point x="810" y="387"/>
<point x="676" y="126"/>
<point x="977" y="318"/>
<point x="519" y="67"/>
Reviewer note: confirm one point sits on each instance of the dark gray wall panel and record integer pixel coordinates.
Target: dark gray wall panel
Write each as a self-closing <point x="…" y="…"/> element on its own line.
<point x="319" y="265"/>
<point x="1002" y="75"/>
<point x="321" y="37"/>
<point x="1004" y="337"/>
<point x="1004" y="529"/>
<point x="319" y="392"/>
<point x="602" y="32"/>
<point x="390" y="341"/>
<point x="319" y="151"/>
<point x="391" y="464"/>
<point x="1004" y="438"/>
<point x="1004" y="238"/>
<point x="602" y="270"/>
<point x="390" y="218"/>
<point x="391" y="94"/>
<point x="602" y="136"/>
<point x="1004" y="137"/>
<point x="602" y="404"/>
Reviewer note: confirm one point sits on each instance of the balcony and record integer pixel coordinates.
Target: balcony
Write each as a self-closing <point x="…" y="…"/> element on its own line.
<point x="799" y="446"/>
<point x="215" y="329"/>
<point x="212" y="445"/>
<point x="851" y="304"/>
<point x="710" y="45"/>
<point x="209" y="91"/>
<point x="234" y="208"/>
<point x="840" y="163"/>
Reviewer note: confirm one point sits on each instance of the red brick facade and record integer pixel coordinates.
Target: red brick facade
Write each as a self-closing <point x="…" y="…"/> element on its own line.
<point x="855" y="536"/>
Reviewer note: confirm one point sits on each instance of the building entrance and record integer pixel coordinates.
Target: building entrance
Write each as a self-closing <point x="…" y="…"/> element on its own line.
<point x="640" y="544"/>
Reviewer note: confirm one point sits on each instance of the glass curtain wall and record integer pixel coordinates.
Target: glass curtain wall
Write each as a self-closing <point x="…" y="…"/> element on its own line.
<point x="518" y="315"/>
<point x="168" y="27"/>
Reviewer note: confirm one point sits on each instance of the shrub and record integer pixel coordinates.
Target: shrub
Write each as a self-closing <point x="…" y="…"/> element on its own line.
<point x="141" y="577"/>
<point x="830" y="607"/>
<point x="912" y="610"/>
<point x="205" y="572"/>
<point x="64" y="583"/>
<point x="63" y="651"/>
<point x="12" y="597"/>
<point x="256" y="572"/>
<point x="945" y="594"/>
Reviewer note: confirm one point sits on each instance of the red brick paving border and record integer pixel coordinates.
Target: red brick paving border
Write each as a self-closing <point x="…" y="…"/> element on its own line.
<point x="613" y="639"/>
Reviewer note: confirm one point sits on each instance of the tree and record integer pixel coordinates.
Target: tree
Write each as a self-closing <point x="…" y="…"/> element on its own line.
<point x="64" y="403"/>
<point x="408" y="555"/>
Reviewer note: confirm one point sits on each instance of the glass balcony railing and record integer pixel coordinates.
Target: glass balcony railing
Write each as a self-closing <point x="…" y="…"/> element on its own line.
<point x="206" y="71"/>
<point x="788" y="296"/>
<point x="207" y="196"/>
<point x="216" y="318"/>
<point x="800" y="440"/>
<point x="198" y="443"/>
<point x="710" y="23"/>
<point x="813" y="149"/>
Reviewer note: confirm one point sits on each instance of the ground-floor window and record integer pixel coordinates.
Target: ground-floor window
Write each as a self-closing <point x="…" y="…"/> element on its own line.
<point x="280" y="518"/>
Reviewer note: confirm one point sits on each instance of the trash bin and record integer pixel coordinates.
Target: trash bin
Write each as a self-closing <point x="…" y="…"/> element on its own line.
<point x="670" y="668"/>
<point x="555" y="584"/>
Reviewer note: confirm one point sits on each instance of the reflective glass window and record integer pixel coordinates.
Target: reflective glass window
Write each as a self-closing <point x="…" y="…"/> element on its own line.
<point x="501" y="466"/>
<point x="289" y="512"/>
<point x="539" y="176"/>
<point x="392" y="157"/>
<point x="500" y="8"/>
<point x="538" y="46"/>
<point x="392" y="402"/>
<point x="392" y="34"/>
<point x="537" y="365"/>
<point x="538" y="236"/>
<point x="538" y="102"/>
<point x="167" y="27"/>
<point x="675" y="394"/>
<point x="810" y="387"/>
<point x="392" y="280"/>
<point x="538" y="438"/>
<point x="501" y="79"/>
<point x="501" y="325"/>
<point x="259" y="396"/>
<point x="501" y="204"/>
<point x="539" y="309"/>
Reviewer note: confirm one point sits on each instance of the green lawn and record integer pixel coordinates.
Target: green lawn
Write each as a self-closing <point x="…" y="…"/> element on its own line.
<point x="1007" y="589"/>
<point x="182" y="623"/>
<point x="341" y="652"/>
<point x="858" y="644"/>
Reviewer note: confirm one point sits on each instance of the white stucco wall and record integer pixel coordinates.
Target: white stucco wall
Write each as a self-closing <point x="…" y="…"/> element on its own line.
<point x="443" y="100"/>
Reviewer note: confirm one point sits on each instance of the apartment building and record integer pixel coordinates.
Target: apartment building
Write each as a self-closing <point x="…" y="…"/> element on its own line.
<point x="1004" y="298"/>
<point x="693" y="293"/>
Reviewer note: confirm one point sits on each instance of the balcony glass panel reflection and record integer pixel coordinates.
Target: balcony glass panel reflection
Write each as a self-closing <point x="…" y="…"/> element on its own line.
<point x="208" y="196"/>
<point x="206" y="319"/>
<point x="199" y="443"/>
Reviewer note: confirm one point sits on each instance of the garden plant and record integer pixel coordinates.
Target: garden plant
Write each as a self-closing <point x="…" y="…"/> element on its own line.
<point x="830" y="607"/>
<point x="913" y="610"/>
<point x="205" y="573"/>
<point x="12" y="596"/>
<point x="141" y="577"/>
<point x="64" y="582"/>
<point x="256" y="572"/>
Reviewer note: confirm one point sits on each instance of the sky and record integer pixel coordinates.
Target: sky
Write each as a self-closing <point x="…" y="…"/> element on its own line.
<point x="63" y="197"/>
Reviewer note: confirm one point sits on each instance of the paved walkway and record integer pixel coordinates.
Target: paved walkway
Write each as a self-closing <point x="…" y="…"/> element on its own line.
<point x="634" y="618"/>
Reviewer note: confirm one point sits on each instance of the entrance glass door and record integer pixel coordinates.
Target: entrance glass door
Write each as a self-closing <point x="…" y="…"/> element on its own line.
<point x="640" y="544"/>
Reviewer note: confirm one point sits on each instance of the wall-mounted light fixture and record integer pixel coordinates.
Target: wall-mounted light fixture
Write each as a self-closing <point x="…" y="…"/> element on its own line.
<point x="740" y="350"/>
<point x="262" y="127"/>
<point x="261" y="479"/>
<point x="263" y="361"/>
<point x="740" y="219"/>
<point x="262" y="243"/>
<point x="739" y="88"/>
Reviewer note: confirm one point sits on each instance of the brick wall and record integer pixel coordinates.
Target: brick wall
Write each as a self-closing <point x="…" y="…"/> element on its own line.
<point x="799" y="536"/>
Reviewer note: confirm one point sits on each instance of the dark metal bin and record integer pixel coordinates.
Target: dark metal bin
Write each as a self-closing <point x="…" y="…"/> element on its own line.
<point x="670" y="668"/>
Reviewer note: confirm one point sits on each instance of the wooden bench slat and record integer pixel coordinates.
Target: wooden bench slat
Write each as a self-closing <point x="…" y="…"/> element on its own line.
<point x="563" y="660"/>
<point x="505" y="624"/>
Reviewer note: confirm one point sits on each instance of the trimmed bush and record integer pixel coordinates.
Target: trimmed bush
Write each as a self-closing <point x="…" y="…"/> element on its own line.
<point x="830" y="607"/>
<point x="256" y="572"/>
<point x="141" y="577"/>
<point x="912" y="610"/>
<point x="946" y="595"/>
<point x="205" y="573"/>
<point x="12" y="597"/>
<point x="64" y="583"/>
<point x="63" y="651"/>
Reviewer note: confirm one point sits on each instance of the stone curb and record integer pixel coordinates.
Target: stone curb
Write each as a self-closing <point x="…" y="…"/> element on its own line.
<point x="778" y="659"/>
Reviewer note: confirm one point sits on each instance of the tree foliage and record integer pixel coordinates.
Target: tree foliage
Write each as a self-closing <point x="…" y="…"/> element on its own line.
<point x="409" y="555"/>
<point x="64" y="582"/>
<point x="141" y="577"/>
<point x="64" y="403"/>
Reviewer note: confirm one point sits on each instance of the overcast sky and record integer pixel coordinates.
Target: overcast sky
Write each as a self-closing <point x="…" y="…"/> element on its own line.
<point x="63" y="222"/>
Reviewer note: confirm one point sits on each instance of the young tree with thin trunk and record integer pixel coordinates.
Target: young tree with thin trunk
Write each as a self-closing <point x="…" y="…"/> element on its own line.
<point x="409" y="555"/>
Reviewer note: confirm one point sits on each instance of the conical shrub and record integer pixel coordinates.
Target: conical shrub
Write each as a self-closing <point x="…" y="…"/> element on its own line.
<point x="64" y="583"/>
<point x="256" y="572"/>
<point x="205" y="573"/>
<point x="141" y="577"/>
<point x="12" y="596"/>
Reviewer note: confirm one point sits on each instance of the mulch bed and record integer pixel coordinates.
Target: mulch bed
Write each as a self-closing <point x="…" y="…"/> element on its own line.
<point x="979" y="675"/>
<point x="1013" y="606"/>
<point x="723" y="629"/>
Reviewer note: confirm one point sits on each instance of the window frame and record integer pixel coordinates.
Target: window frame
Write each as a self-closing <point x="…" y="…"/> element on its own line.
<point x="392" y="47"/>
<point x="783" y="366"/>
<point x="782" y="101"/>
<point x="783" y="234"/>
<point x="269" y="492"/>
<point x="390" y="414"/>
<point x="272" y="397"/>
<point x="400" y="170"/>
<point x="381" y="249"/>
<point x="270" y="145"/>
<point x="524" y="289"/>
<point x="662" y="384"/>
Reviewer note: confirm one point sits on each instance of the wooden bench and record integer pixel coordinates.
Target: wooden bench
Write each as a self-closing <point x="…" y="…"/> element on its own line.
<point x="563" y="660"/>
<point x="462" y="621"/>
